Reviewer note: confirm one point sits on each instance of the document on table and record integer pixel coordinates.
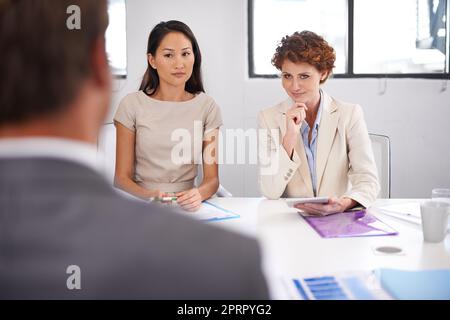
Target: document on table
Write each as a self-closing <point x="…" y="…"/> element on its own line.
<point x="372" y="285"/>
<point x="408" y="211"/>
<point x="349" y="224"/>
<point x="210" y="212"/>
<point x="352" y="285"/>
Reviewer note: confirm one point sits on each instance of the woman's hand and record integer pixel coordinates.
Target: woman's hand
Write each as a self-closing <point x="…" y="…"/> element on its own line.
<point x="189" y="200"/>
<point x="294" y="118"/>
<point x="334" y="205"/>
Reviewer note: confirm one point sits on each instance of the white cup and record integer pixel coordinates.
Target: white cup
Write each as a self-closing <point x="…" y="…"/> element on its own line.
<point x="441" y="194"/>
<point x="434" y="220"/>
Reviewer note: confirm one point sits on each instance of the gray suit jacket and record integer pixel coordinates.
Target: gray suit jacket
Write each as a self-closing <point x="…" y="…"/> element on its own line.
<point x="55" y="213"/>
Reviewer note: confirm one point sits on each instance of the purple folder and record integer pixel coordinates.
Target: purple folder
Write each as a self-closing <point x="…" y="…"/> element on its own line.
<point x="349" y="224"/>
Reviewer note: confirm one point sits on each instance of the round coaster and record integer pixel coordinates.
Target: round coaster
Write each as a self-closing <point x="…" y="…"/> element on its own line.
<point x="389" y="250"/>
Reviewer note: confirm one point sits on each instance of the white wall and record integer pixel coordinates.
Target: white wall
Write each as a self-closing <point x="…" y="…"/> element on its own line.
<point x="412" y="112"/>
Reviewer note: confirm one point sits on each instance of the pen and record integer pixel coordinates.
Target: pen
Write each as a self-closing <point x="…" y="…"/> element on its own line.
<point x="167" y="199"/>
<point x="163" y="199"/>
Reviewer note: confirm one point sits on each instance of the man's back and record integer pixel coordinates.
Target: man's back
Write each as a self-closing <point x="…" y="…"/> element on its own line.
<point x="55" y="214"/>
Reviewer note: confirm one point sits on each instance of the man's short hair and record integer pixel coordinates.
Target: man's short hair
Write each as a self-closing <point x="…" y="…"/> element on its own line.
<point x="43" y="62"/>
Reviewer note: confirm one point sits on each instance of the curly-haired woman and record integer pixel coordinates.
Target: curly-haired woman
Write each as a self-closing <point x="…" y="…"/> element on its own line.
<point x="315" y="145"/>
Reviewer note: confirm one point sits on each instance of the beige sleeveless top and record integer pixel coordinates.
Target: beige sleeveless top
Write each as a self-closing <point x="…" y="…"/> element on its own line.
<point x="169" y="138"/>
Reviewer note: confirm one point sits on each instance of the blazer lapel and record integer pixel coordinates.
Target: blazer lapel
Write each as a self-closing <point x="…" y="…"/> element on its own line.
<point x="327" y="132"/>
<point x="304" y="167"/>
<point x="299" y="148"/>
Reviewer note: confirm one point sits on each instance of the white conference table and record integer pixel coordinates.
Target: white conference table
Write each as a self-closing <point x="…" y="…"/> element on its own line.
<point x="296" y="249"/>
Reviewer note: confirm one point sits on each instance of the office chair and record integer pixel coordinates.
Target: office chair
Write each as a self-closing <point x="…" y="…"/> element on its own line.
<point x="107" y="144"/>
<point x="381" y="147"/>
<point x="221" y="192"/>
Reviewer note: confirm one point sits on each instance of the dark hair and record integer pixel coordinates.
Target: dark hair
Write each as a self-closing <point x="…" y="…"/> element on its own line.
<point x="150" y="81"/>
<point x="42" y="62"/>
<point x="308" y="47"/>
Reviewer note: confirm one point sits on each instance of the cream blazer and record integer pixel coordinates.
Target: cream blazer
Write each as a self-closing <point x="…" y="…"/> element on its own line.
<point x="344" y="161"/>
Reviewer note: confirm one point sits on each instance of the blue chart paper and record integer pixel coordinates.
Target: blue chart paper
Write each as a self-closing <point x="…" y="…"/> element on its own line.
<point x="378" y="284"/>
<point x="320" y="288"/>
<point x="416" y="285"/>
<point x="356" y="285"/>
<point x="209" y="212"/>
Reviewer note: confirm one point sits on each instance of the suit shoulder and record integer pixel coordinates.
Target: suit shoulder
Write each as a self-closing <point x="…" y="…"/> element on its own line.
<point x="346" y="108"/>
<point x="268" y="111"/>
<point x="269" y="115"/>
<point x="343" y="104"/>
<point x="179" y="224"/>
<point x="203" y="248"/>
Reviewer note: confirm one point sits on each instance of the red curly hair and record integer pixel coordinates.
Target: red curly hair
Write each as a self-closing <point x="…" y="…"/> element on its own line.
<point x="306" y="46"/>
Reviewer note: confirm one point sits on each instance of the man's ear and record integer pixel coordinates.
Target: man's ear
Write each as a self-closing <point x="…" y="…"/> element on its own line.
<point x="101" y="73"/>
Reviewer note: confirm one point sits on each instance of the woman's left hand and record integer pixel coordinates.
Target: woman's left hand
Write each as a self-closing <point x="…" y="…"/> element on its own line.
<point x="189" y="200"/>
<point x="334" y="205"/>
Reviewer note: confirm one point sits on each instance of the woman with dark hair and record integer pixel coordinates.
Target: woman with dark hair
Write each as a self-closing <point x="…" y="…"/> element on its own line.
<point x="315" y="145"/>
<point x="170" y="125"/>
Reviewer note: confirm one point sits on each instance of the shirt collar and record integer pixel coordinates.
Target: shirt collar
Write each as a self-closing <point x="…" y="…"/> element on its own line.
<point x="305" y="125"/>
<point x="43" y="147"/>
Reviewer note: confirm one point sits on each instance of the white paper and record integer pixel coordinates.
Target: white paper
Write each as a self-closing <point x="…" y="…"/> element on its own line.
<point x="208" y="211"/>
<point x="409" y="211"/>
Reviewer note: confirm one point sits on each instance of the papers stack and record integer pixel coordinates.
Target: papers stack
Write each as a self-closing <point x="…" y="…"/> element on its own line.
<point x="384" y="284"/>
<point x="409" y="211"/>
<point x="405" y="211"/>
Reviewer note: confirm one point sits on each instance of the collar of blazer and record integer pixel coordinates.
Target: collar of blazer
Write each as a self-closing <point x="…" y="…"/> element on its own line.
<point x="327" y="131"/>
